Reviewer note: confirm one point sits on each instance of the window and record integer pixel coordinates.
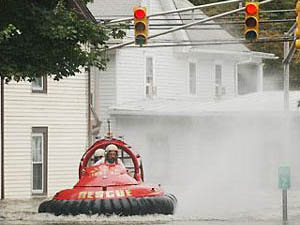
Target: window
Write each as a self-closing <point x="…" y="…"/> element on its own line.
<point x="150" y="89"/>
<point x="192" y="78"/>
<point x="39" y="160"/>
<point x="39" y="85"/>
<point x="218" y="81"/>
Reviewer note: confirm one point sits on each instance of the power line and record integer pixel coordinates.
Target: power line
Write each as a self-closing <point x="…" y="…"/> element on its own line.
<point x="199" y="18"/>
<point x="205" y="26"/>
<point x="220" y="23"/>
<point x="222" y="41"/>
<point x="178" y="10"/>
<point x="234" y="22"/>
<point x="108" y="17"/>
<point x="190" y="28"/>
<point x="225" y="41"/>
<point x="214" y="42"/>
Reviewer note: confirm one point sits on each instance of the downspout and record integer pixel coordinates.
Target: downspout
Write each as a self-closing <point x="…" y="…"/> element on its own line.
<point x="93" y="129"/>
<point x="89" y="105"/>
<point x="2" y="138"/>
<point x="96" y="125"/>
<point x="96" y="110"/>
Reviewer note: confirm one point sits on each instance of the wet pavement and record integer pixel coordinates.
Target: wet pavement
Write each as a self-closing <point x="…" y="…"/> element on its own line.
<point x="17" y="212"/>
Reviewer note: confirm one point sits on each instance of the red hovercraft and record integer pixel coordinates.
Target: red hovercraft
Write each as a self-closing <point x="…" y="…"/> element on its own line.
<point x="106" y="190"/>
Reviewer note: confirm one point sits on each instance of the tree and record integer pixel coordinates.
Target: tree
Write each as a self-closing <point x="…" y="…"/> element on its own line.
<point x="49" y="38"/>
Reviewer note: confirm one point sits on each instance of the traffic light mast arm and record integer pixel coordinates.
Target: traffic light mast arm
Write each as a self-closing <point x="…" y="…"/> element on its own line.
<point x="187" y="25"/>
<point x="291" y="30"/>
<point x="290" y="54"/>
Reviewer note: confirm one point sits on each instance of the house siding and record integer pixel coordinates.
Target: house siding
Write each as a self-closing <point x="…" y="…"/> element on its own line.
<point x="130" y="75"/>
<point x="170" y="74"/>
<point x="205" y="79"/>
<point x="63" y="110"/>
<point x="229" y="81"/>
<point x="107" y="91"/>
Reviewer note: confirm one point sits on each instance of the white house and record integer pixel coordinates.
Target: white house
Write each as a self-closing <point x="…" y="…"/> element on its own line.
<point x="45" y="133"/>
<point x="203" y="73"/>
<point x="45" y="128"/>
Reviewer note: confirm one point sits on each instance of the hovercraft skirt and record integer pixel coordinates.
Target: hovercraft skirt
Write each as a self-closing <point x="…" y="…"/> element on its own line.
<point x="121" y="206"/>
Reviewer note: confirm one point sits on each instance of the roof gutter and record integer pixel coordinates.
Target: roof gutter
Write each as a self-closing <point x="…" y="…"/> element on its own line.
<point x="242" y="53"/>
<point x="140" y="113"/>
<point x="264" y="55"/>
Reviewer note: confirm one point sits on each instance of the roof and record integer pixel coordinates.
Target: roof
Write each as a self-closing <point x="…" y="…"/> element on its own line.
<point x="81" y="9"/>
<point x="209" y="32"/>
<point x="271" y="101"/>
<point x="112" y="9"/>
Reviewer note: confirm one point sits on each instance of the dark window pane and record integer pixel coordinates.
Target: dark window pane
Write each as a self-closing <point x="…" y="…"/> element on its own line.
<point x="192" y="77"/>
<point x="219" y="74"/>
<point x="37" y="84"/>
<point x="149" y="67"/>
<point x="37" y="177"/>
<point x="218" y="80"/>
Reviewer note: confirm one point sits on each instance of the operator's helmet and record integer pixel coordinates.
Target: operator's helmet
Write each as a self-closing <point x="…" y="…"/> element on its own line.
<point x="99" y="153"/>
<point x="111" y="147"/>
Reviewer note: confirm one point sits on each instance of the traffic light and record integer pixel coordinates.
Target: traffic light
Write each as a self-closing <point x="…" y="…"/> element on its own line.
<point x="140" y="25"/>
<point x="251" y="21"/>
<point x="297" y="32"/>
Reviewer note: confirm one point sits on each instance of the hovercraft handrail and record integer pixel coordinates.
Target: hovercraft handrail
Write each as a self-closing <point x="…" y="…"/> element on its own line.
<point x="102" y="143"/>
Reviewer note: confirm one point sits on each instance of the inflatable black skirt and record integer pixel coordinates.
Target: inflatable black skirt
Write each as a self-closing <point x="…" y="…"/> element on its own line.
<point x="122" y="206"/>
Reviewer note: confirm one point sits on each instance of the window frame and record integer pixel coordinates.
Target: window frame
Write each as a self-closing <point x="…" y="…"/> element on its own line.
<point x="43" y="88"/>
<point x="38" y="191"/>
<point x="40" y="132"/>
<point x="218" y="93"/>
<point x="148" y="95"/>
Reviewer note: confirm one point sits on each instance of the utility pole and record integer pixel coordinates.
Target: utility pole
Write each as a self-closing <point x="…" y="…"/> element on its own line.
<point x="288" y="54"/>
<point x="286" y="76"/>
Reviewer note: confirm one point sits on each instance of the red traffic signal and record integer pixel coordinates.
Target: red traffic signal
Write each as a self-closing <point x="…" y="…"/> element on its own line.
<point x="139" y="13"/>
<point x="251" y="9"/>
